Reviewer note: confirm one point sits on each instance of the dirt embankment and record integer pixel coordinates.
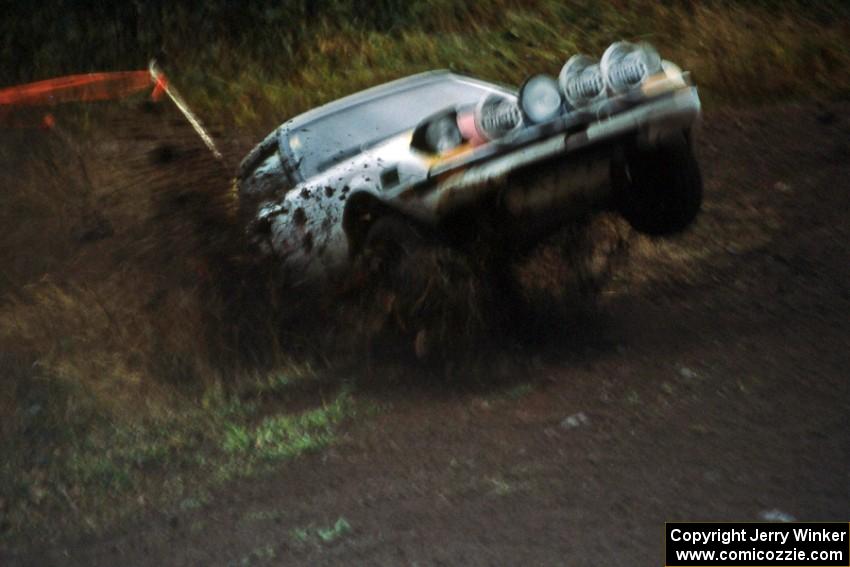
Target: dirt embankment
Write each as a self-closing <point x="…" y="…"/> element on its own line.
<point x="712" y="384"/>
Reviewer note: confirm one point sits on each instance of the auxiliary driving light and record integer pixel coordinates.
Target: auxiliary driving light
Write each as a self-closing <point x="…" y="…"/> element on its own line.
<point x="540" y="99"/>
<point x="494" y="117"/>
<point x="581" y="81"/>
<point x="626" y="65"/>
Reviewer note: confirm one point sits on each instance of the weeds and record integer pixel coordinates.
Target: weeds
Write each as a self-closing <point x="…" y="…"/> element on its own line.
<point x="257" y="556"/>
<point x="330" y="534"/>
<point x="286" y="436"/>
<point x="120" y="464"/>
<point x="263" y="516"/>
<point x="321" y="535"/>
<point x="282" y="60"/>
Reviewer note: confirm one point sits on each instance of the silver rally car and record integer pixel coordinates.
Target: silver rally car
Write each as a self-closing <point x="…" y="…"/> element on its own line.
<point x="455" y="157"/>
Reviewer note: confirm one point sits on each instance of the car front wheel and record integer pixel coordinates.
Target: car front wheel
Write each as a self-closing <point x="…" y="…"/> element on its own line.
<point x="663" y="192"/>
<point x="390" y="241"/>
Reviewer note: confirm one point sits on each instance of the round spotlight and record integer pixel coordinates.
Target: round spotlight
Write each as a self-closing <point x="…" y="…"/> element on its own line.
<point x="626" y="65"/>
<point x="540" y="99"/>
<point x="581" y="81"/>
<point x="494" y="117"/>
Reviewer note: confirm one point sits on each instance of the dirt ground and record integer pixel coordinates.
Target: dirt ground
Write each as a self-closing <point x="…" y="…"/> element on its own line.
<point x="710" y="385"/>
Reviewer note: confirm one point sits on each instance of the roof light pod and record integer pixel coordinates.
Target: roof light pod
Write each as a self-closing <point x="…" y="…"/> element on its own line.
<point x="540" y="99"/>
<point x="581" y="81"/>
<point x="626" y="65"/>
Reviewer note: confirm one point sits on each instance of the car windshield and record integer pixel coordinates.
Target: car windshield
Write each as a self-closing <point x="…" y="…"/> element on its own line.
<point x="326" y="141"/>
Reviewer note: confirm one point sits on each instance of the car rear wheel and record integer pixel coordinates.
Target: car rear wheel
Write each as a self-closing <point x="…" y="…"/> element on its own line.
<point x="663" y="194"/>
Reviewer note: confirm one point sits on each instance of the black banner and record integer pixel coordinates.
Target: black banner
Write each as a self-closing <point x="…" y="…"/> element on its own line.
<point x="803" y="544"/>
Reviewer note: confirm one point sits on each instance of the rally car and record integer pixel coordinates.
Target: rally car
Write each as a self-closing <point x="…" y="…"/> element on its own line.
<point x="456" y="157"/>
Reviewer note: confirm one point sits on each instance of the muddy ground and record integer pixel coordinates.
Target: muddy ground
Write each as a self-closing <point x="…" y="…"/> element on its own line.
<point x="710" y="384"/>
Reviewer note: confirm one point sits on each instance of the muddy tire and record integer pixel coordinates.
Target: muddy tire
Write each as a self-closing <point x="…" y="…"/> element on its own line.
<point x="390" y="241"/>
<point x="421" y="296"/>
<point x="663" y="194"/>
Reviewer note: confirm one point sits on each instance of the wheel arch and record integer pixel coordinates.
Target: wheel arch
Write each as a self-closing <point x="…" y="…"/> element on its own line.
<point x="362" y="209"/>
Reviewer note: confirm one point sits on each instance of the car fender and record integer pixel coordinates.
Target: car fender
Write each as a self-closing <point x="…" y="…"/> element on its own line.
<point x="364" y="205"/>
<point x="305" y="230"/>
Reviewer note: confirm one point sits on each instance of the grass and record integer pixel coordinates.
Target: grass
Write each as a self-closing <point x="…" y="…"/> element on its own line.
<point x="285" y="436"/>
<point x="751" y="51"/>
<point x="171" y="461"/>
<point x="263" y="516"/>
<point x="737" y="51"/>
<point x="146" y="365"/>
<point x="274" y="65"/>
<point x="320" y="535"/>
<point x="261" y="555"/>
<point x="500" y="487"/>
<point x="332" y="533"/>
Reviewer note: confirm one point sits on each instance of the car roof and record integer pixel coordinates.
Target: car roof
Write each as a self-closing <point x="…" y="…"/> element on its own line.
<point x="405" y="83"/>
<point x="270" y="143"/>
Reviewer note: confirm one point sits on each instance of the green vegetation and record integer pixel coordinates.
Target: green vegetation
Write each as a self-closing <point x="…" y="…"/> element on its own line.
<point x="321" y="535"/>
<point x="519" y="391"/>
<point x="257" y="63"/>
<point x="285" y="436"/>
<point x="500" y="487"/>
<point x="263" y="516"/>
<point x="171" y="460"/>
<point x="330" y="534"/>
<point x="261" y="555"/>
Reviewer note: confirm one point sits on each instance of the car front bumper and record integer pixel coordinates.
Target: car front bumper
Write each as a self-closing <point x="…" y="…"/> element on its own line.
<point x="648" y="123"/>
